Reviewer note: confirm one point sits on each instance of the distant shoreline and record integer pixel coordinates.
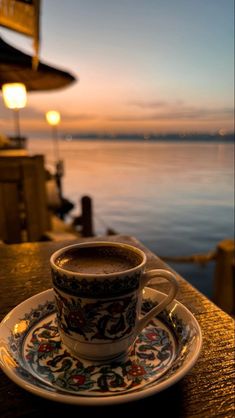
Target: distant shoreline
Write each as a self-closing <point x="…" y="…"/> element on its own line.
<point x="227" y="138"/>
<point x="152" y="138"/>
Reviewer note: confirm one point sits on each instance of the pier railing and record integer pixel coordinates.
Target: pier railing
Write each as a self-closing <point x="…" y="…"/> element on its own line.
<point x="224" y="273"/>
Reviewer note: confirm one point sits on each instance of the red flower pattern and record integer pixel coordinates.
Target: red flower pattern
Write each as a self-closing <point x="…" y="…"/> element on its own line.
<point x="116" y="307"/>
<point x="152" y="336"/>
<point x="136" y="370"/>
<point x="76" y="319"/>
<point x="78" y="379"/>
<point x="45" y="348"/>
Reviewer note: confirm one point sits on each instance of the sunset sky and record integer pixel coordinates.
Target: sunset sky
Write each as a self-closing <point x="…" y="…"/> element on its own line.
<point x="144" y="66"/>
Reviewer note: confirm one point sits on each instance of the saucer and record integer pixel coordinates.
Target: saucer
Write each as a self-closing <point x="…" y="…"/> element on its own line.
<point x="33" y="356"/>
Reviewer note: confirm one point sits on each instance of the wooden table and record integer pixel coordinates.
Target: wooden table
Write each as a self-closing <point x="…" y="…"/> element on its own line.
<point x="208" y="389"/>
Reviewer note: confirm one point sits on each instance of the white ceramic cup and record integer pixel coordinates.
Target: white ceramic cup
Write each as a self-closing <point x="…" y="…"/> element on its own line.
<point x="99" y="313"/>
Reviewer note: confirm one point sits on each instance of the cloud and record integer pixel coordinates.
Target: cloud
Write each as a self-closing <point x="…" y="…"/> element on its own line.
<point x="179" y="113"/>
<point x="31" y="113"/>
<point x="26" y="113"/>
<point x="149" y="104"/>
<point x="155" y="104"/>
<point x="80" y="116"/>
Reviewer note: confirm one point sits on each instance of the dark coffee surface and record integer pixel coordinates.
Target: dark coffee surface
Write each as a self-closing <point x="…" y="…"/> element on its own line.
<point x="98" y="260"/>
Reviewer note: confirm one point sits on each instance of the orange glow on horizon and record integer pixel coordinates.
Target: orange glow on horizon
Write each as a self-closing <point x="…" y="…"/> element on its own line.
<point x="100" y="115"/>
<point x="101" y="125"/>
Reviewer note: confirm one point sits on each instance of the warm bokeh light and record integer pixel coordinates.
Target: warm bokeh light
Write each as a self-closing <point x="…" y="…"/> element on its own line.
<point x="14" y="95"/>
<point x="53" y="117"/>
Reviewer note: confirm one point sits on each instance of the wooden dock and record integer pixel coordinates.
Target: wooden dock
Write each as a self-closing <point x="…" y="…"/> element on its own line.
<point x="26" y="213"/>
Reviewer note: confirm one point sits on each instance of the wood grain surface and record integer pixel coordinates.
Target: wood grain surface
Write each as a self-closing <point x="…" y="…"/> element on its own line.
<point x="208" y="389"/>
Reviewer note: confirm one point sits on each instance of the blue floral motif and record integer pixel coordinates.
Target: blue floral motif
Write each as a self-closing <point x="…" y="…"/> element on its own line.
<point x="95" y="288"/>
<point x="104" y="319"/>
<point x="154" y="343"/>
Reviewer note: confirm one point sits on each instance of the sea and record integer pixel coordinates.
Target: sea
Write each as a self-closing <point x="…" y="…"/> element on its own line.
<point x="176" y="197"/>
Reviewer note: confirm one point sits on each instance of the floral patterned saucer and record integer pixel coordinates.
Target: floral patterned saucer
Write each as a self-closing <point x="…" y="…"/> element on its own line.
<point x="33" y="356"/>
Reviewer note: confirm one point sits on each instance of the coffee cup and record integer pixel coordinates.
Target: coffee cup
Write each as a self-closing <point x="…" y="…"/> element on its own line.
<point x="98" y="290"/>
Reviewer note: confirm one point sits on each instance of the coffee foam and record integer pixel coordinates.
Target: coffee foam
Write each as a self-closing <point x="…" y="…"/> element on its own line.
<point x="98" y="260"/>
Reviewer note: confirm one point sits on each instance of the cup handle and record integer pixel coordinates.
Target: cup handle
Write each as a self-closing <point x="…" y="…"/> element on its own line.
<point x="153" y="274"/>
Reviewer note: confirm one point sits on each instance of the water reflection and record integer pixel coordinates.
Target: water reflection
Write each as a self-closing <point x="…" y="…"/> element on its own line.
<point x="177" y="198"/>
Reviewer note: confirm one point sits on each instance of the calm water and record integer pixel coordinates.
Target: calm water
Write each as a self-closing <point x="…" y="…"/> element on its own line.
<point x="177" y="198"/>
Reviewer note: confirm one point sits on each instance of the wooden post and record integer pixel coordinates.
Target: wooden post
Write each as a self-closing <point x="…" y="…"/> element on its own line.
<point x="224" y="280"/>
<point x="87" y="217"/>
<point x="59" y="166"/>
